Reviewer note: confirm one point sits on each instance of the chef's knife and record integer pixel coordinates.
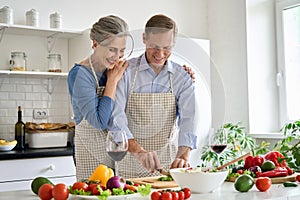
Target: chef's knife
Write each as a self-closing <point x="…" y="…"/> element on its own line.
<point x="164" y="172"/>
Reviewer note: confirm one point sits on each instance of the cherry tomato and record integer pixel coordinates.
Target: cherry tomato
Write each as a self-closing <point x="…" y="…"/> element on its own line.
<point x="263" y="183"/>
<point x="166" y="196"/>
<point x="60" y="192"/>
<point x="93" y="188"/>
<point x="175" y="195"/>
<point x="155" y="195"/>
<point x="181" y="195"/>
<point x="45" y="191"/>
<point x="187" y="193"/>
<point x="80" y="185"/>
<point x="240" y="171"/>
<point x="298" y="177"/>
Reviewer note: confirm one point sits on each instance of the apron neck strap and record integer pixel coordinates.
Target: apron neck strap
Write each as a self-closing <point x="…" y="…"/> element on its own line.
<point x="93" y="70"/>
<point x="136" y="71"/>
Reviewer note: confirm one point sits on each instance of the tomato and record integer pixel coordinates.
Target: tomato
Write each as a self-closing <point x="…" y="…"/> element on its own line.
<point x="45" y="191"/>
<point x="166" y="196"/>
<point x="181" y="195"/>
<point x="80" y="185"/>
<point x="93" y="188"/>
<point x="258" y="160"/>
<point x="156" y="196"/>
<point x="240" y="171"/>
<point x="263" y="183"/>
<point x="60" y="192"/>
<point x="174" y="195"/>
<point x="298" y="177"/>
<point x="187" y="193"/>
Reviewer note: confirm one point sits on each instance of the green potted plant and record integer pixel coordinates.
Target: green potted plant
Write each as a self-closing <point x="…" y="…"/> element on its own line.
<point x="289" y="146"/>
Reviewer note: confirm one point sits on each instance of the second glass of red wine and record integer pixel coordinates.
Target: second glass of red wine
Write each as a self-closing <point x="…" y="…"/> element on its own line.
<point x="218" y="141"/>
<point x="116" y="146"/>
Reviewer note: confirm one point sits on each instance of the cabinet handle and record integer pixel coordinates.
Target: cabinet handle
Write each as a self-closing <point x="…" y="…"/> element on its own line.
<point x="52" y="167"/>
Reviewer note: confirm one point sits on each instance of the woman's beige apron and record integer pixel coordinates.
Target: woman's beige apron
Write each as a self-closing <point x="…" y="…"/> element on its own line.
<point x="90" y="145"/>
<point x="151" y="120"/>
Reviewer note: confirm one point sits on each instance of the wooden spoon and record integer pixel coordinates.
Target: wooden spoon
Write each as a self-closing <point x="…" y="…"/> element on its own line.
<point x="233" y="161"/>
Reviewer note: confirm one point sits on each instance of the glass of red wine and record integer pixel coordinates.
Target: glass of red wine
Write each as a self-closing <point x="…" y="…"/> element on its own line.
<point x="116" y="146"/>
<point x="218" y="142"/>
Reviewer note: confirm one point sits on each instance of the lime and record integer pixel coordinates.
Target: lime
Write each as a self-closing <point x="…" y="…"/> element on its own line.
<point x="244" y="183"/>
<point x="267" y="165"/>
<point x="38" y="182"/>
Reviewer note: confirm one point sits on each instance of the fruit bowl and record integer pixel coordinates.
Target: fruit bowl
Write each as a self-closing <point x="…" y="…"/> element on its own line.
<point x="7" y="146"/>
<point x="198" y="181"/>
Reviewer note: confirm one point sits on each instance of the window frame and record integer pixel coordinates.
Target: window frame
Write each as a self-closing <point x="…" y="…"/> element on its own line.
<point x="281" y="5"/>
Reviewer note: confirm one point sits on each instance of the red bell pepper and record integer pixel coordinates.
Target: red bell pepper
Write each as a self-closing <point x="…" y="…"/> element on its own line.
<point x="278" y="172"/>
<point x="274" y="157"/>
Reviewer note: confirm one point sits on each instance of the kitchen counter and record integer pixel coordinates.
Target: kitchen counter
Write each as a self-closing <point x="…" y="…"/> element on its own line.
<point x="225" y="192"/>
<point x="37" y="153"/>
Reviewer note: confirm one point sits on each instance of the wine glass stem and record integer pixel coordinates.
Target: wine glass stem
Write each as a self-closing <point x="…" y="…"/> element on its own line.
<point x="116" y="168"/>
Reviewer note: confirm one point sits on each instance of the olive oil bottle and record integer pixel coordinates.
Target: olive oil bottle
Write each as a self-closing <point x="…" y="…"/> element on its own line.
<point x="20" y="131"/>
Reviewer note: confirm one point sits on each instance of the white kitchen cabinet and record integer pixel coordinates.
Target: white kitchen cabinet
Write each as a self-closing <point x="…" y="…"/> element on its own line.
<point x="17" y="174"/>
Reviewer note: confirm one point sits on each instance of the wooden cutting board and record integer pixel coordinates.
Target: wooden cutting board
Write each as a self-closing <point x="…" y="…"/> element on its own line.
<point x="276" y="180"/>
<point x="154" y="182"/>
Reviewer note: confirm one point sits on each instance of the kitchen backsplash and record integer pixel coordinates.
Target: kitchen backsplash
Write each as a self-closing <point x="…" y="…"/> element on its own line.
<point x="32" y="93"/>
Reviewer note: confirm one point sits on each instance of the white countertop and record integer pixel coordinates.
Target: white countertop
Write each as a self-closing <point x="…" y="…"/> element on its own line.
<point x="225" y="192"/>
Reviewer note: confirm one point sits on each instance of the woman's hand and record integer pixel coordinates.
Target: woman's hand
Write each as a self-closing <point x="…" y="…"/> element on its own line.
<point x="117" y="71"/>
<point x="190" y="72"/>
<point x="113" y="76"/>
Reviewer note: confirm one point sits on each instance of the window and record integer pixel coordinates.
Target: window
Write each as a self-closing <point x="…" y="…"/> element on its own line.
<point x="288" y="53"/>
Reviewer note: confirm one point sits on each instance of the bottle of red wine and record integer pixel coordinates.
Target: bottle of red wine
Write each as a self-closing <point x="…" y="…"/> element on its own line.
<point x="20" y="131"/>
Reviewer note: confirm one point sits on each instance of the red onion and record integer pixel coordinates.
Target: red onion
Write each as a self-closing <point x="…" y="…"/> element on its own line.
<point x="115" y="182"/>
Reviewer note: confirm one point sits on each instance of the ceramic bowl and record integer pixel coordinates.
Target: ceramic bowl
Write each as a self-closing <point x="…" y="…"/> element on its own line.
<point x="7" y="147"/>
<point x="198" y="182"/>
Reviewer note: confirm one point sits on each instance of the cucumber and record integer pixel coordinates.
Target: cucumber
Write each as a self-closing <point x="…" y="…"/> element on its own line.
<point x="38" y="182"/>
<point x="290" y="184"/>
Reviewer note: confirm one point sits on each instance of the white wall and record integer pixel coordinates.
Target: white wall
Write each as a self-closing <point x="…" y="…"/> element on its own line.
<point x="227" y="34"/>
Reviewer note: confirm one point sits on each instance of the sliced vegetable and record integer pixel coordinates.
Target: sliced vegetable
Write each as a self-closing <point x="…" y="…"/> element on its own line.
<point x="290" y="184"/>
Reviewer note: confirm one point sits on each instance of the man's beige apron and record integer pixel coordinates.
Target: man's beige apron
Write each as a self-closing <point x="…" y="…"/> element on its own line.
<point x="151" y="120"/>
<point x="90" y="145"/>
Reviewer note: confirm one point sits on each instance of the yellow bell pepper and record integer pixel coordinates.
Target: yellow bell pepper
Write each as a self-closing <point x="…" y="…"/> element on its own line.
<point x="102" y="173"/>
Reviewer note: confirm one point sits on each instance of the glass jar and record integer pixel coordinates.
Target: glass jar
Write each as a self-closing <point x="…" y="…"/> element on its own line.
<point x="54" y="63"/>
<point x="32" y="18"/>
<point x="6" y="15"/>
<point x="55" y="20"/>
<point x="18" y="61"/>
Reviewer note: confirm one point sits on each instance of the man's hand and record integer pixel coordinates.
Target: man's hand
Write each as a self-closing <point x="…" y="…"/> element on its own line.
<point x="148" y="159"/>
<point x="182" y="158"/>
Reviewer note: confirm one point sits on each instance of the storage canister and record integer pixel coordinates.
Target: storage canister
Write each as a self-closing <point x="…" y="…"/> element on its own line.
<point x="55" y="20"/>
<point x="54" y="63"/>
<point x="18" y="61"/>
<point x="6" y="15"/>
<point x="32" y="18"/>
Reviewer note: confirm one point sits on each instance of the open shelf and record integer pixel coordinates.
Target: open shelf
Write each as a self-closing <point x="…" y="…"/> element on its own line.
<point x="37" y="31"/>
<point x="33" y="74"/>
